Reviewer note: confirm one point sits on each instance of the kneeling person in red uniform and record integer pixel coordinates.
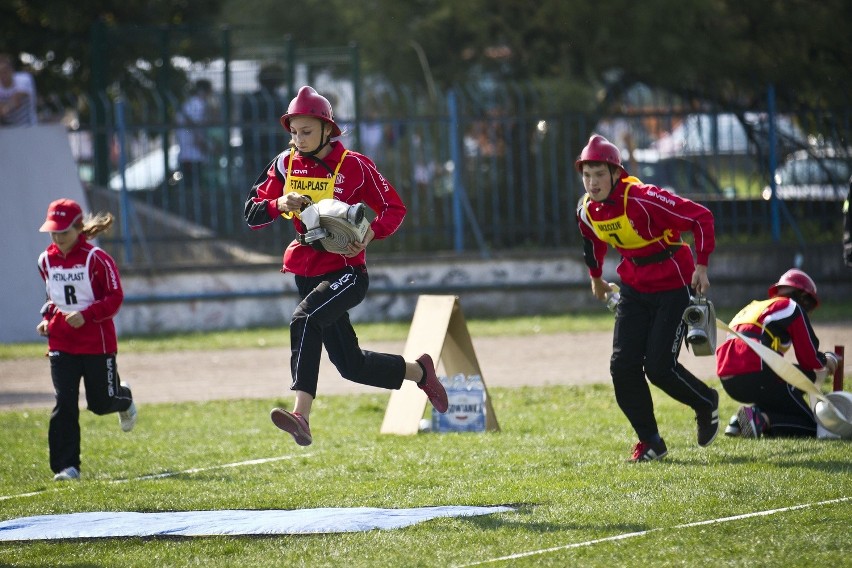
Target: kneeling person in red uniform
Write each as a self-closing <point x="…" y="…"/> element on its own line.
<point x="774" y="407"/>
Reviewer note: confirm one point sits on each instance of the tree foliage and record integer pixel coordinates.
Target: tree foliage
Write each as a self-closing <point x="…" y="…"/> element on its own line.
<point x="722" y="51"/>
<point x="56" y="37"/>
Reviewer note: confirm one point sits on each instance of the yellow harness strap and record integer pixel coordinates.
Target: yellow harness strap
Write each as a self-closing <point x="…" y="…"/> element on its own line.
<point x="619" y="232"/>
<point x="315" y="189"/>
<point x="751" y="314"/>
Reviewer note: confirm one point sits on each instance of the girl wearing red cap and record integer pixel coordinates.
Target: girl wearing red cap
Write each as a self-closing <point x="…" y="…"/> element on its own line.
<point x="314" y="168"/>
<point x="779" y="322"/>
<point x="83" y="295"/>
<point x="658" y="275"/>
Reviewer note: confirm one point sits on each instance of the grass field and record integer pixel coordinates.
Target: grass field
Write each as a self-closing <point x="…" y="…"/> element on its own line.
<point x="596" y="320"/>
<point x="558" y="461"/>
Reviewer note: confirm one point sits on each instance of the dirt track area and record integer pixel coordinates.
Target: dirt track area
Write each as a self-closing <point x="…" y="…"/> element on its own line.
<point x="570" y="358"/>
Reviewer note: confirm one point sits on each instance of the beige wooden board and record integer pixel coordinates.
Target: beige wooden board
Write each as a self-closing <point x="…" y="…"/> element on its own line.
<point x="438" y="328"/>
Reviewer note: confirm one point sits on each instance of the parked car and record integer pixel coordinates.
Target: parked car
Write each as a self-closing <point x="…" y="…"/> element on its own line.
<point x="725" y="134"/>
<point x="147" y="172"/>
<point x="681" y="176"/>
<point x="813" y="175"/>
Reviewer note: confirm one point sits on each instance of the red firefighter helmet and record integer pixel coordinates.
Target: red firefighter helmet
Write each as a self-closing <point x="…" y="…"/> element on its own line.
<point x="797" y="279"/>
<point x="599" y="149"/>
<point x="310" y="103"/>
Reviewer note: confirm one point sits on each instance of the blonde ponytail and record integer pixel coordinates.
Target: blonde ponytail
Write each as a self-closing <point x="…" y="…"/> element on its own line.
<point x="94" y="224"/>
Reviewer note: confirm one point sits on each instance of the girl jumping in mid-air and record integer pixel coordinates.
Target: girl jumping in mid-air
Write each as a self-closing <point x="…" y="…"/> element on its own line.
<point x="316" y="168"/>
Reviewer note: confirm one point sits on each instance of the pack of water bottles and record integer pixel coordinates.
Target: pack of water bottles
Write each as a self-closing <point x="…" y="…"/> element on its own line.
<point x="466" y="412"/>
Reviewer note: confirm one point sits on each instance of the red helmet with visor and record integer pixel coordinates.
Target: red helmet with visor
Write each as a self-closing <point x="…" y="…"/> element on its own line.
<point x="797" y="279"/>
<point x="599" y="149"/>
<point x="310" y="103"/>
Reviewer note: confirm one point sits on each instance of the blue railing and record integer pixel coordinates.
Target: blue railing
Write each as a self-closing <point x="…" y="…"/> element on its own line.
<point x="480" y="170"/>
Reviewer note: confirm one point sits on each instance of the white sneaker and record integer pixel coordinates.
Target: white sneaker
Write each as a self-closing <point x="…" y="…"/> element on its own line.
<point x="733" y="427"/>
<point x="127" y="418"/>
<point x="67" y="474"/>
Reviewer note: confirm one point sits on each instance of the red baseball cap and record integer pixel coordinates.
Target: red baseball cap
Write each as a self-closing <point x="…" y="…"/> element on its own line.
<point x="61" y="215"/>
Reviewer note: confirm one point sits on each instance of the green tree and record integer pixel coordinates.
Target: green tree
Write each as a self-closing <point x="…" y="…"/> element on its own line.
<point x="56" y="37"/>
<point x="722" y="51"/>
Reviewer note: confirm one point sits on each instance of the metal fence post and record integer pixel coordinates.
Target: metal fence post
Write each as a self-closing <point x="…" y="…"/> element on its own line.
<point x="355" y="61"/>
<point x="228" y="110"/>
<point x="456" y="158"/>
<point x="98" y="113"/>
<point x="773" y="204"/>
<point x="121" y="131"/>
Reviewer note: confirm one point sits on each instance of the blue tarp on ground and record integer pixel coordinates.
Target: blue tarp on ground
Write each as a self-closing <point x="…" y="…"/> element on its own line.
<point x="229" y="522"/>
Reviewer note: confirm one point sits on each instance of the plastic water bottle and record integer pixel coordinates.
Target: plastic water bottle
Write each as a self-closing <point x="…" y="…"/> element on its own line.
<point x="436" y="416"/>
<point x="613" y="297"/>
<point x="459" y="382"/>
<point x="476" y="403"/>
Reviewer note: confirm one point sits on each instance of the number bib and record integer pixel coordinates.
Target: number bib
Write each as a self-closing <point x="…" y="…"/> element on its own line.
<point x="70" y="289"/>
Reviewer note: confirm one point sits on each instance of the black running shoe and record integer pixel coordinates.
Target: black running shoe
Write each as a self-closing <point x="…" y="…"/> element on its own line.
<point x="644" y="451"/>
<point x="707" y="420"/>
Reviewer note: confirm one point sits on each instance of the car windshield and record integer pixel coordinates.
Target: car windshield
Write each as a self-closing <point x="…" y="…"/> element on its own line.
<point x="813" y="172"/>
<point x="678" y="176"/>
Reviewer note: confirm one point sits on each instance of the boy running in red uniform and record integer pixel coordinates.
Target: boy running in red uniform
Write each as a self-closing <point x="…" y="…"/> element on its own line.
<point x="658" y="274"/>
<point x="83" y="295"/>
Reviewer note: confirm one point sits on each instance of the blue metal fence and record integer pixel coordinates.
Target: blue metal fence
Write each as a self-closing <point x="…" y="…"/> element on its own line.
<point x="481" y="168"/>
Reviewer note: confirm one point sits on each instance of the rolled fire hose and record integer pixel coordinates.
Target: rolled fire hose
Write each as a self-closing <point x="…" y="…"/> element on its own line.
<point x="332" y="225"/>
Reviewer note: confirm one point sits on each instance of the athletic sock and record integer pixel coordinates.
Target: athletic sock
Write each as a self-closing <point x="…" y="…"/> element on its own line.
<point x="655" y="439"/>
<point x="423" y="380"/>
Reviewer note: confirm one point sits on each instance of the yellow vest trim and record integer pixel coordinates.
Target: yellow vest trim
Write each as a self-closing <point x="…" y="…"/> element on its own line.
<point x="619" y="232"/>
<point x="750" y="315"/>
<point x="315" y="189"/>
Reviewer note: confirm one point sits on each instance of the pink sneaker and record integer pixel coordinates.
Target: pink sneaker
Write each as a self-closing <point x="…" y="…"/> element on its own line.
<point x="432" y="386"/>
<point x="649" y="451"/>
<point x="752" y="424"/>
<point x="294" y="424"/>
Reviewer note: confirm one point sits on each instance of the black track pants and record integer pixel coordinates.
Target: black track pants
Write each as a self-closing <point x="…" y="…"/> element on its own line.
<point x="786" y="406"/>
<point x="322" y="318"/>
<point x="104" y="395"/>
<point x="646" y="343"/>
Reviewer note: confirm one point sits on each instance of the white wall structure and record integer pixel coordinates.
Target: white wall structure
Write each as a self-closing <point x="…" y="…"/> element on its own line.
<point x="262" y="296"/>
<point x="36" y="167"/>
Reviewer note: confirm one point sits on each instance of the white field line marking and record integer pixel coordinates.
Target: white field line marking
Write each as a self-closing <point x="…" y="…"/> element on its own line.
<point x="165" y="474"/>
<point x="213" y="467"/>
<point x="640" y="533"/>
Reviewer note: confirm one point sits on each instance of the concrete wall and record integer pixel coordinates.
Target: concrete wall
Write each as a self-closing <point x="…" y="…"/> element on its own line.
<point x="532" y="284"/>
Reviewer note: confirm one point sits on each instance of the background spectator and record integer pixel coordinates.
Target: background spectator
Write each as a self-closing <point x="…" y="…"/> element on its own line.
<point x="263" y="137"/>
<point x="192" y="138"/>
<point x="17" y="95"/>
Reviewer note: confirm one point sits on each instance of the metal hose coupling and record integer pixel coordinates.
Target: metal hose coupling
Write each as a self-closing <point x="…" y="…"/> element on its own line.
<point x="700" y="319"/>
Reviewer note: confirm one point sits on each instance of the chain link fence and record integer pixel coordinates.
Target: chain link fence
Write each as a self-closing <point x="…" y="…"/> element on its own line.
<point x="484" y="167"/>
